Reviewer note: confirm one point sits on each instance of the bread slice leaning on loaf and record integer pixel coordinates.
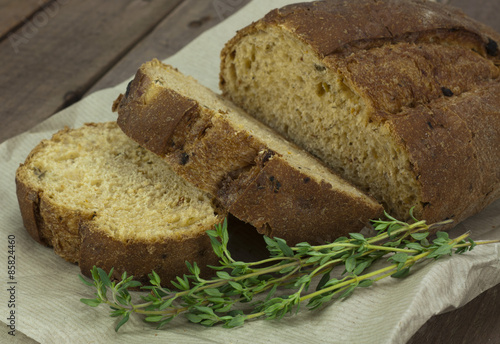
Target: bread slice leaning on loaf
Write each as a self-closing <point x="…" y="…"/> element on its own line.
<point x="98" y="198"/>
<point x="400" y="97"/>
<point x="257" y="176"/>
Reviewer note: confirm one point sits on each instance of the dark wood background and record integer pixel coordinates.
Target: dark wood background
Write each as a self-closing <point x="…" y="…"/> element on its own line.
<point x="54" y="52"/>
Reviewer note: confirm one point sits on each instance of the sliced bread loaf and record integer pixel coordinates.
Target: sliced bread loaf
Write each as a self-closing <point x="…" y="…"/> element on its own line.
<point x="256" y="174"/>
<point x="98" y="198"/>
<point x="400" y="97"/>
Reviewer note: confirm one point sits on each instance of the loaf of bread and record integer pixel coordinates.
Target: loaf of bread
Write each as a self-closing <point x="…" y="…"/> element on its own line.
<point x="98" y="198"/>
<point x="400" y="97"/>
<point x="256" y="175"/>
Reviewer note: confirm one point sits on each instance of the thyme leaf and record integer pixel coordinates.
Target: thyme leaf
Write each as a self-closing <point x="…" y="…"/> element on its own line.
<point x="279" y="284"/>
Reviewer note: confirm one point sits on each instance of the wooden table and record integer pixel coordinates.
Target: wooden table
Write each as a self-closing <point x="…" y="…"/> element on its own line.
<point x="54" y="52"/>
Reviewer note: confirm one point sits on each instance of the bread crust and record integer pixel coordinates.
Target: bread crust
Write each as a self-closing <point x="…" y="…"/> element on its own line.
<point x="29" y="204"/>
<point x="74" y="236"/>
<point x="450" y="128"/>
<point x="284" y="202"/>
<point x="49" y="224"/>
<point x="454" y="149"/>
<point x="340" y="26"/>
<point x="199" y="138"/>
<point x="138" y="258"/>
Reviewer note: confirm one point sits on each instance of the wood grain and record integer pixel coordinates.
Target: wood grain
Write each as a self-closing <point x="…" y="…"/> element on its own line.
<point x="476" y="322"/>
<point x="55" y="60"/>
<point x="185" y="23"/>
<point x="13" y="13"/>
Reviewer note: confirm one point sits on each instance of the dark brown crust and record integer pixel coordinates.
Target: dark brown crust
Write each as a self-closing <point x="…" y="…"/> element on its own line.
<point x="140" y="125"/>
<point x="339" y="26"/>
<point x="208" y="151"/>
<point x="455" y="151"/>
<point x="29" y="204"/>
<point x="284" y="202"/>
<point x="75" y="237"/>
<point x="48" y="224"/>
<point x="167" y="258"/>
<point x="444" y="114"/>
<point x="395" y="77"/>
<point x="186" y="134"/>
<point x="344" y="33"/>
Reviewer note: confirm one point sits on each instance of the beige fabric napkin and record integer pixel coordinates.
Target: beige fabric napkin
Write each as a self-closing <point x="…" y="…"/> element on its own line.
<point x="47" y="293"/>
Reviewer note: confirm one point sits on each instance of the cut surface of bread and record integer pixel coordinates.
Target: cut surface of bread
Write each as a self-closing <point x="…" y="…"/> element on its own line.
<point x="98" y="198"/>
<point x="256" y="174"/>
<point x="402" y="98"/>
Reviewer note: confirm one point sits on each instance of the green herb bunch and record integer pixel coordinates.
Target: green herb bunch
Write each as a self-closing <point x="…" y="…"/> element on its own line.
<point x="280" y="284"/>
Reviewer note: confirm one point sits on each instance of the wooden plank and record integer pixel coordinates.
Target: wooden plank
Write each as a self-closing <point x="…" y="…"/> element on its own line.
<point x="180" y="28"/>
<point x="51" y="62"/>
<point x="14" y="12"/>
<point x="184" y="24"/>
<point x="476" y="322"/>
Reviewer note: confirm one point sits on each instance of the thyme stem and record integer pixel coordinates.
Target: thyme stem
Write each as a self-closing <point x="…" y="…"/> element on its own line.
<point x="290" y="270"/>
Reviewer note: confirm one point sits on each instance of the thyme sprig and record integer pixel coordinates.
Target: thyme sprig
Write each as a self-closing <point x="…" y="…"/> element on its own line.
<point x="284" y="279"/>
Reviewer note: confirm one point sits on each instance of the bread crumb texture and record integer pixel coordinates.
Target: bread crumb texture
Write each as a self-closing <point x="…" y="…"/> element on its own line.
<point x="256" y="174"/>
<point x="245" y="137"/>
<point x="396" y="96"/>
<point x="97" y="174"/>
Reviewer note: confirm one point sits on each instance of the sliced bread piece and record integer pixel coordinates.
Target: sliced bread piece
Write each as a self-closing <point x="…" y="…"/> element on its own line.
<point x="401" y="97"/>
<point x="257" y="175"/>
<point x="98" y="198"/>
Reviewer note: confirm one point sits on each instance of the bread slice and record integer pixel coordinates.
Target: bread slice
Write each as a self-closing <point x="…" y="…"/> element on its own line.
<point x="400" y="97"/>
<point x="257" y="176"/>
<point x="98" y="198"/>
